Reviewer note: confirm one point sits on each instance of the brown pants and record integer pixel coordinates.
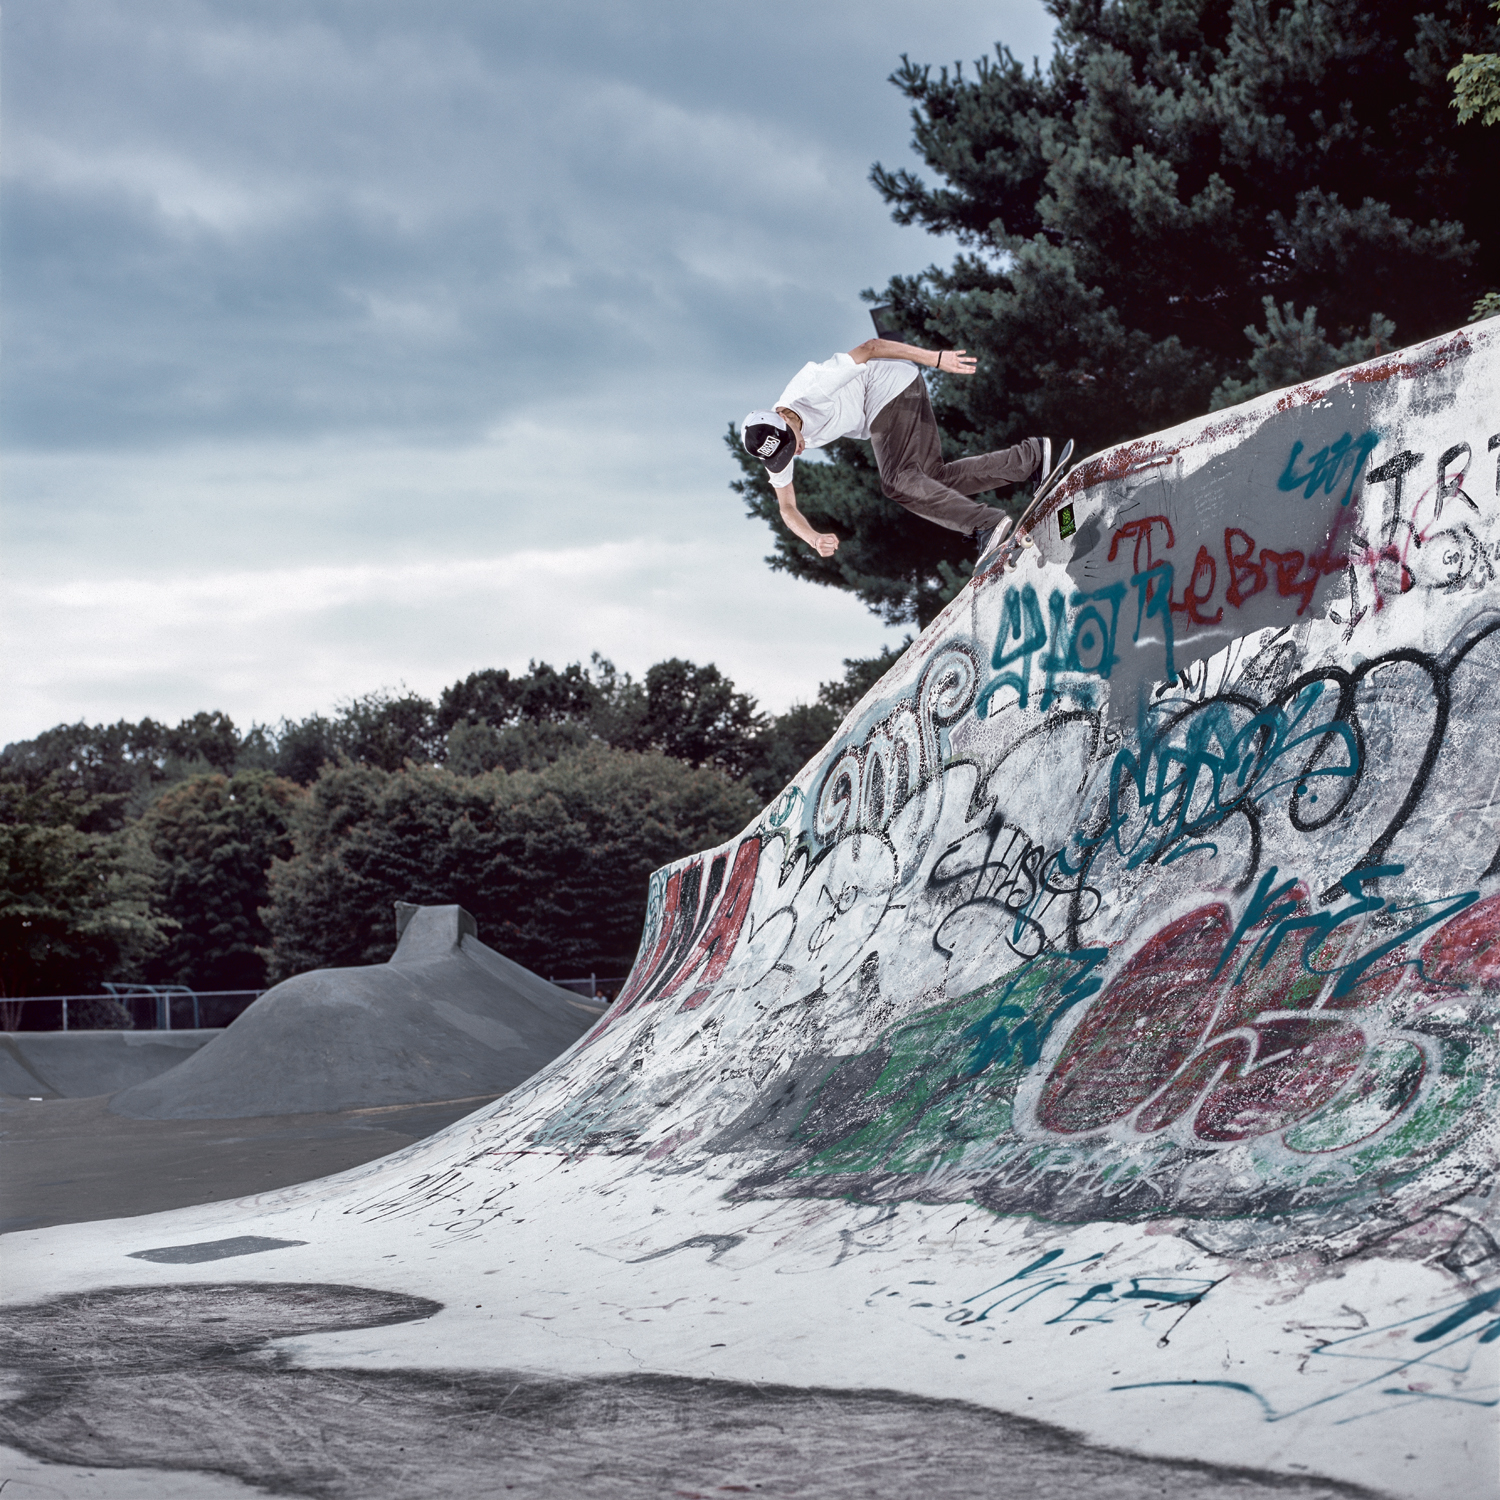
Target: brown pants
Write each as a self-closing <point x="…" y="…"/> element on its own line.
<point x="909" y="455"/>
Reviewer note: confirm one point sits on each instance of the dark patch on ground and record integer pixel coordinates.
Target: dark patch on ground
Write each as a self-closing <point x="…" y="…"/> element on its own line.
<point x="182" y="1378"/>
<point x="236" y="1245"/>
<point x="67" y="1161"/>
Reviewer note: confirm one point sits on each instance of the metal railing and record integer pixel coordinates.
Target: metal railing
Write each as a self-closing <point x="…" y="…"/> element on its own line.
<point x="594" y="986"/>
<point x="161" y="995"/>
<point x="152" y="1004"/>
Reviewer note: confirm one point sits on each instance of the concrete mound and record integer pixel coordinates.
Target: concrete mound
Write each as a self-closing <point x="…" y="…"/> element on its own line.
<point x="1101" y="1030"/>
<point x="84" y="1064"/>
<point x="445" y="1018"/>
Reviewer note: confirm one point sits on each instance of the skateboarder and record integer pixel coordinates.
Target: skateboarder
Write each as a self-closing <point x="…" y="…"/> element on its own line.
<point x="876" y="391"/>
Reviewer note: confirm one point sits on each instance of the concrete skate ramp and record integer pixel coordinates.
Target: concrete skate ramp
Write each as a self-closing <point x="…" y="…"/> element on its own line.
<point x="1158" y="880"/>
<point x="1100" y="1032"/>
<point x="83" y="1064"/>
<point x="445" y="1018"/>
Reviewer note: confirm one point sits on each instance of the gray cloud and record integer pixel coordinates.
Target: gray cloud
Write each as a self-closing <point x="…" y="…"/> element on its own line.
<point x="291" y="219"/>
<point x="311" y="284"/>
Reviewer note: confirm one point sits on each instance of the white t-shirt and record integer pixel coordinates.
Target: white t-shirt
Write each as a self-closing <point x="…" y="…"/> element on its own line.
<point x="840" y="398"/>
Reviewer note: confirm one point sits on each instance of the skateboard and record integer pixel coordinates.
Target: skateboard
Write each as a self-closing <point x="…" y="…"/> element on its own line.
<point x="1019" y="535"/>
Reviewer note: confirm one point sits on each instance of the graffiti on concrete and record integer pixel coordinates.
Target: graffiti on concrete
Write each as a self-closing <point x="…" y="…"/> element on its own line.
<point x="1225" y="1069"/>
<point x="1415" y="1360"/>
<point x="1161" y="879"/>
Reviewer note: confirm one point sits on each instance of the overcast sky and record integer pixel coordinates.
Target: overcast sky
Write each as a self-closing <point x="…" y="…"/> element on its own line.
<point x="353" y="345"/>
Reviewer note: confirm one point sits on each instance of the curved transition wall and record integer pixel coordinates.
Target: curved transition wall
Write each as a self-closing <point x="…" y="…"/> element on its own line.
<point x="1100" y="1032"/>
<point x="1158" y="880"/>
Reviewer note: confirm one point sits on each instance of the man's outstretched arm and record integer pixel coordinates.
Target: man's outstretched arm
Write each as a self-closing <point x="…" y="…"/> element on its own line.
<point x="949" y="361"/>
<point x="824" y="543"/>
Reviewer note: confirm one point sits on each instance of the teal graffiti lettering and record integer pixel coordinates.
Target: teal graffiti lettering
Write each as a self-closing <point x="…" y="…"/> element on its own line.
<point x="1090" y="626"/>
<point x="1153" y="588"/>
<point x="1080" y="645"/>
<point x="1327" y="466"/>
<point x="784" y="806"/>
<point x="1278" y="907"/>
<point x="1028" y="1291"/>
<point x="1473" y="1308"/>
<point x="1167" y="791"/>
<point x="1158" y="1295"/>
<point x="1447" y="1334"/>
<point x="1020" y="622"/>
<point x="1267" y="902"/>
<point x="994" y="1043"/>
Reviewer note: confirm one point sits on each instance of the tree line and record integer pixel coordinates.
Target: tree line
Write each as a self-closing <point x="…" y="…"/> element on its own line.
<point x="540" y="801"/>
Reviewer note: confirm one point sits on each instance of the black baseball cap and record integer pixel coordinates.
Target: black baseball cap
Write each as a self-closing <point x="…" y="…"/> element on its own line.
<point x="768" y="436"/>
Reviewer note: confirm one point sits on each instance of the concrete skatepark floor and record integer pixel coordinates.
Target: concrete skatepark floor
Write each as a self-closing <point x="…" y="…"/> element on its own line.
<point x="68" y="1161"/>
<point x="221" y="1402"/>
<point x="65" y="1161"/>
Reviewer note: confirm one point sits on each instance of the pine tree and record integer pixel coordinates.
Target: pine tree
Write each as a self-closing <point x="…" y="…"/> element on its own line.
<point x="1196" y="200"/>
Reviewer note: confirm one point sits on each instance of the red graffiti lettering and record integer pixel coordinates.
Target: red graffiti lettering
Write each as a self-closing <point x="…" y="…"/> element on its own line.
<point x="1296" y="573"/>
<point x="668" y="935"/>
<point x="695" y="938"/>
<point x="1141" y="1031"/>
<point x="1288" y="565"/>
<point x="1200" y="589"/>
<point x="1257" y="1046"/>
<point x="715" y="943"/>
<point x="1141" y="532"/>
<point x="1291" y="1068"/>
<point x="1241" y="567"/>
<point x="1464" y="954"/>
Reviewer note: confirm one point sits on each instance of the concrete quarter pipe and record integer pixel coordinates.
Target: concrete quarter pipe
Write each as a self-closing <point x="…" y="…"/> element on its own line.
<point x="1082" y="1077"/>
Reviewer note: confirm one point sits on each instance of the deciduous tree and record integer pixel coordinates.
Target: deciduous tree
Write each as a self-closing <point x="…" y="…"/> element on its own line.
<point x="553" y="864"/>
<point x="75" y="905"/>
<point x="214" y="838"/>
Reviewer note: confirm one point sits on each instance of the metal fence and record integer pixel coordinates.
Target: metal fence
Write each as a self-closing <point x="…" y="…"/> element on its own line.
<point x="178" y="1007"/>
<point x="594" y="986"/>
<point x="152" y="1007"/>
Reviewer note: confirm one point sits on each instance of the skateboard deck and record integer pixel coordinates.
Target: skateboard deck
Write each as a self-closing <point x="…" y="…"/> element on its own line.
<point x="1019" y="535"/>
